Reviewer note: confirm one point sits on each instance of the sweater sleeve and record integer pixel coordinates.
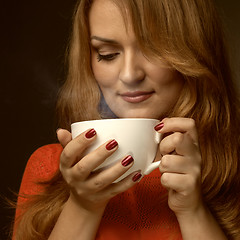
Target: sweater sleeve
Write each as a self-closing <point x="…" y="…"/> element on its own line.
<point x="41" y="167"/>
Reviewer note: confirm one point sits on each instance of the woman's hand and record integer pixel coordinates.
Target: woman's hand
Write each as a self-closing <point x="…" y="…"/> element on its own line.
<point x="92" y="191"/>
<point x="181" y="175"/>
<point x="181" y="164"/>
<point x="89" y="191"/>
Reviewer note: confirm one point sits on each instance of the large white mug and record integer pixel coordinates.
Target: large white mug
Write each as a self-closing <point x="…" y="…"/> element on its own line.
<point x="135" y="137"/>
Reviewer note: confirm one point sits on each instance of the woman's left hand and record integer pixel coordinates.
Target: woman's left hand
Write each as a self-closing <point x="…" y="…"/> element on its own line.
<point x="181" y="164"/>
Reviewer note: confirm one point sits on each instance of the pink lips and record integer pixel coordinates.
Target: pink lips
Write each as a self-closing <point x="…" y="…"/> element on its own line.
<point x="136" y="97"/>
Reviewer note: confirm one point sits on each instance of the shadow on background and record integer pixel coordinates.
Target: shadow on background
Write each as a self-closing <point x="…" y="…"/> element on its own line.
<point x="34" y="35"/>
<point x="34" y="38"/>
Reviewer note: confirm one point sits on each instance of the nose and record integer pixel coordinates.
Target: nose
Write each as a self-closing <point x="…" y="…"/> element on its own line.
<point x="132" y="69"/>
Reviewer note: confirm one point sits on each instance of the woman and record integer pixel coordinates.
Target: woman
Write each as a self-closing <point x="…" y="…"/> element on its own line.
<point x="161" y="59"/>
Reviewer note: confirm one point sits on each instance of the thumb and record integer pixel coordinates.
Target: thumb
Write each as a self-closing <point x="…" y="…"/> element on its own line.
<point x="64" y="136"/>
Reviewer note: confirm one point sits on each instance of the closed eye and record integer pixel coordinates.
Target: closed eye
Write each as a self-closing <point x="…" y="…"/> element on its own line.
<point x="106" y="57"/>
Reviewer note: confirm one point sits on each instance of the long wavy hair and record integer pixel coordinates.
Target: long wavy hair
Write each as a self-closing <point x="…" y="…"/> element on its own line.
<point x="189" y="36"/>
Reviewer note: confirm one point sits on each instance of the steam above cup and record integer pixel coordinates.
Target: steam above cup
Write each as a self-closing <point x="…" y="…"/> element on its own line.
<point x="135" y="137"/>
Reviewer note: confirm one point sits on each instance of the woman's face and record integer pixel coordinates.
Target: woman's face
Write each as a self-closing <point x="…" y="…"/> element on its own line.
<point x="132" y="84"/>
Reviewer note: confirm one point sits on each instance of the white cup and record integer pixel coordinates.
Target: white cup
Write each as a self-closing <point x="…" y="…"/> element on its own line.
<point x="135" y="137"/>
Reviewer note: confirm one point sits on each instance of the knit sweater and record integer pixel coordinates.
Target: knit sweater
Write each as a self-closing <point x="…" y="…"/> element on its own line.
<point x="140" y="213"/>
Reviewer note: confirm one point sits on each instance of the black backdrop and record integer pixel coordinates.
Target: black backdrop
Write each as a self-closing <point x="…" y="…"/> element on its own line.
<point x="34" y="35"/>
<point x="33" y="40"/>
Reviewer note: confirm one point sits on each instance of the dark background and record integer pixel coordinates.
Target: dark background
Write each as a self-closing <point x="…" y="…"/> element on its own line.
<point x="34" y="36"/>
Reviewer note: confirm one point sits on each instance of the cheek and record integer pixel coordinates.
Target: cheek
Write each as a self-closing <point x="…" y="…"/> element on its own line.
<point x="169" y="81"/>
<point x="162" y="76"/>
<point x="105" y="75"/>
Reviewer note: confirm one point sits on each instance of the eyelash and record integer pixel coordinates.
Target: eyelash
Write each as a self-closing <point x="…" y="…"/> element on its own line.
<point x="107" y="57"/>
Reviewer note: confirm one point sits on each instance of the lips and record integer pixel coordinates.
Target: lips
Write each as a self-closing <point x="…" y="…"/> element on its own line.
<point x="136" y="96"/>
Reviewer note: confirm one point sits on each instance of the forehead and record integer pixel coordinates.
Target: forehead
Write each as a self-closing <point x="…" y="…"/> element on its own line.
<point x="105" y="18"/>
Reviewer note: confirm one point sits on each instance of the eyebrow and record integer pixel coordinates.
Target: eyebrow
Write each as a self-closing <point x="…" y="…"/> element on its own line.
<point x="106" y="40"/>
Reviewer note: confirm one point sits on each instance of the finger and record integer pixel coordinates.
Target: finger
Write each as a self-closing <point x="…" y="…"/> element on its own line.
<point x="73" y="151"/>
<point x="88" y="163"/>
<point x="123" y="185"/>
<point x="64" y="136"/>
<point x="180" y="143"/>
<point x="181" y="183"/>
<point x="180" y="164"/>
<point x="183" y="125"/>
<point x="100" y="180"/>
<point x="174" y="164"/>
<point x="169" y="144"/>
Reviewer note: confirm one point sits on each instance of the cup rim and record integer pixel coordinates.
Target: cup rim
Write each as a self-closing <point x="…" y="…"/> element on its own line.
<point x="116" y="119"/>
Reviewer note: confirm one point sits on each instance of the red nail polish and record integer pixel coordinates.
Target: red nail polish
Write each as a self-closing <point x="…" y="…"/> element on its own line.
<point x="127" y="160"/>
<point x="159" y="126"/>
<point x="136" y="177"/>
<point x="111" y="145"/>
<point x="91" y="133"/>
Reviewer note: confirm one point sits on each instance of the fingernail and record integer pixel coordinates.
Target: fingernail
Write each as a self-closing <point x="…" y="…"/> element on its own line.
<point x="127" y="160"/>
<point x="159" y="126"/>
<point x="91" y="133"/>
<point x="136" y="177"/>
<point x="111" y="145"/>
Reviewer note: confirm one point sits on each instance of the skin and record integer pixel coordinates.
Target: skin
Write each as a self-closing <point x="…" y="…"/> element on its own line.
<point x="130" y="71"/>
<point x="124" y="73"/>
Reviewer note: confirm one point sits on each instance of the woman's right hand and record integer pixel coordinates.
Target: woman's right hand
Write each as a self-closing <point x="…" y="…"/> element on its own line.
<point x="92" y="191"/>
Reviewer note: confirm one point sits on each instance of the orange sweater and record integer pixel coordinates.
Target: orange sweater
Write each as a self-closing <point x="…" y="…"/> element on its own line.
<point x="140" y="213"/>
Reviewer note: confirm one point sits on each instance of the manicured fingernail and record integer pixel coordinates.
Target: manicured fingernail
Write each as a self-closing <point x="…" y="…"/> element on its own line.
<point x="136" y="177"/>
<point x="111" y="145"/>
<point x="91" y="133"/>
<point x="159" y="126"/>
<point x="127" y="160"/>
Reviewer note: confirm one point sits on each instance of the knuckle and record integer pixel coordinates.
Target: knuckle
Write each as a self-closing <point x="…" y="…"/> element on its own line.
<point x="77" y="188"/>
<point x="164" y="161"/>
<point x="80" y="169"/>
<point x="98" y="184"/>
<point x="191" y="123"/>
<point x="177" y="138"/>
<point x="81" y="140"/>
<point x="197" y="171"/>
<point x="65" y="156"/>
<point x="164" y="179"/>
<point x="80" y="192"/>
<point x="162" y="147"/>
<point x="69" y="181"/>
<point x="102" y="152"/>
<point x="192" y="183"/>
<point x="120" y="188"/>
